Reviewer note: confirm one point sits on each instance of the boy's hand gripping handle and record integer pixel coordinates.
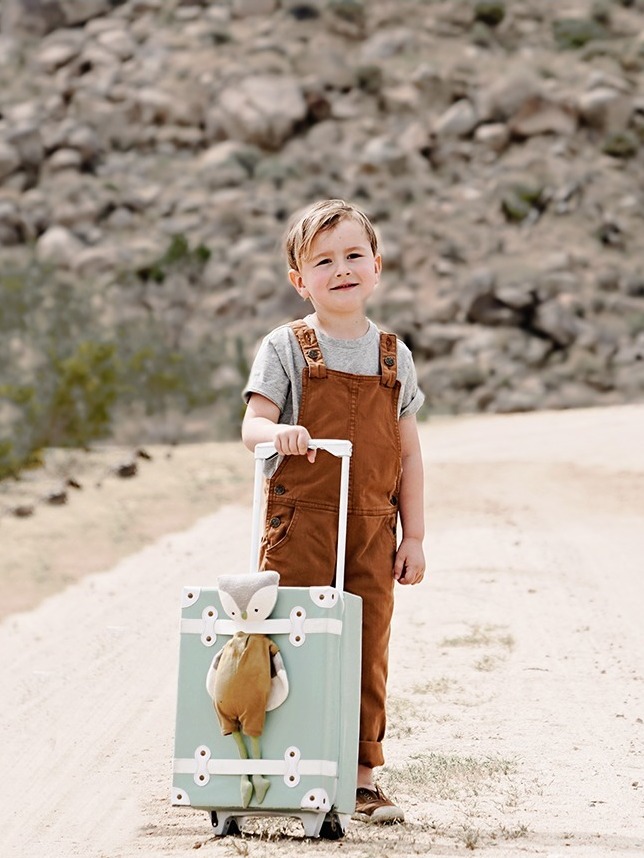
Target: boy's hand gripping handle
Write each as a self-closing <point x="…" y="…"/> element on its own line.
<point x="334" y="446"/>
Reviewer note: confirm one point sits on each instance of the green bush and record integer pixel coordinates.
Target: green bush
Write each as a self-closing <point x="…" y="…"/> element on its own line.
<point x="621" y="144"/>
<point x="68" y="367"/>
<point x="490" y="12"/>
<point x="84" y="389"/>
<point x="573" y="33"/>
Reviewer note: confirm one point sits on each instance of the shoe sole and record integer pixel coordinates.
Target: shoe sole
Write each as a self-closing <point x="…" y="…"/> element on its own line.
<point x="382" y="816"/>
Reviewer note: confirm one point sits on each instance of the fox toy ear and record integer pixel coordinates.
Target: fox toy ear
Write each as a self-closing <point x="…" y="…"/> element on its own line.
<point x="261" y="604"/>
<point x="230" y="606"/>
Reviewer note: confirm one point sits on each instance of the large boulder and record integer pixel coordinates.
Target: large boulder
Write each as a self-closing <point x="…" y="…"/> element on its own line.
<point x="248" y="8"/>
<point x="605" y="108"/>
<point x="539" y="115"/>
<point x="559" y="320"/>
<point x="39" y="17"/>
<point x="504" y="97"/>
<point x="459" y="120"/>
<point x="80" y="11"/>
<point x="9" y="159"/>
<point x="58" y="246"/>
<point x="31" y="17"/>
<point x="263" y="109"/>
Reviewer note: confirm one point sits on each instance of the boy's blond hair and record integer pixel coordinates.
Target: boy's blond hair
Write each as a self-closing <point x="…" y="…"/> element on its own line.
<point x="309" y="223"/>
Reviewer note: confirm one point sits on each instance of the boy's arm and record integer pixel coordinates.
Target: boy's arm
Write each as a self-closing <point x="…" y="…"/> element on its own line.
<point x="409" y="567"/>
<point x="261" y="424"/>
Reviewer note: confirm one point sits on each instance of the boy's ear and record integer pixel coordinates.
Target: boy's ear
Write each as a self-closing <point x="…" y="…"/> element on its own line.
<point x="378" y="265"/>
<point x="296" y="282"/>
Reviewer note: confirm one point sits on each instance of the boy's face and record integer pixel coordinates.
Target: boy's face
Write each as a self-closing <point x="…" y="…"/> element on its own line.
<point x="341" y="272"/>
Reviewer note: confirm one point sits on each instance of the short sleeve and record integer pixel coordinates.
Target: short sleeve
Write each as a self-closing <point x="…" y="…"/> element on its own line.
<point x="268" y="376"/>
<point x="411" y="396"/>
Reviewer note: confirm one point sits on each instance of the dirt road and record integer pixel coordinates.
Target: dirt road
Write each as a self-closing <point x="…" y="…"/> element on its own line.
<point x="517" y="674"/>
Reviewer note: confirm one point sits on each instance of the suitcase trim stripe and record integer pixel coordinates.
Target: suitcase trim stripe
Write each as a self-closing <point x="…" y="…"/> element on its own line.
<point x="296" y="628"/>
<point x="290" y="770"/>
<point x="323" y="597"/>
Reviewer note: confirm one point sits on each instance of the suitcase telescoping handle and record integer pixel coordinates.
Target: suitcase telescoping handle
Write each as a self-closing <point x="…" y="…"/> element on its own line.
<point x="334" y="446"/>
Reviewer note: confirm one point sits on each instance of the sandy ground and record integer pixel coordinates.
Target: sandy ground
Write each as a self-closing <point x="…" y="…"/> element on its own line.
<point x="107" y="517"/>
<point x="516" y="689"/>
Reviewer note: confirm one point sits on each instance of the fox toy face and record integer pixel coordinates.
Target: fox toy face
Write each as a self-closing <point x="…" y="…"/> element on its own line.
<point x="248" y="597"/>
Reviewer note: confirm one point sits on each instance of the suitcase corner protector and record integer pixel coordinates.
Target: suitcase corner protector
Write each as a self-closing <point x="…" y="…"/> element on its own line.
<point x="179" y="797"/>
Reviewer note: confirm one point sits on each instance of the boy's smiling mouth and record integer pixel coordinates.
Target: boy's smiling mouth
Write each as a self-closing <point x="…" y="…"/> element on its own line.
<point x="343" y="286"/>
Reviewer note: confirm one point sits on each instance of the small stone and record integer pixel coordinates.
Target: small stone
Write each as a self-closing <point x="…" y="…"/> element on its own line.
<point x="56" y="498"/>
<point x="459" y="120"/>
<point x="126" y="469"/>
<point x="493" y="135"/>
<point x="23" y="510"/>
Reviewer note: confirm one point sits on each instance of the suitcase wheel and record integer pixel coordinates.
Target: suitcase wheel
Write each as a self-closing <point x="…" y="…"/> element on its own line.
<point x="332" y="827"/>
<point x="229" y="826"/>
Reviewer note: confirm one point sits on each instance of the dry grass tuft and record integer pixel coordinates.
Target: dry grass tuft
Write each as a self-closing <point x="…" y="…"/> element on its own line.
<point x="445" y="776"/>
<point x="481" y="636"/>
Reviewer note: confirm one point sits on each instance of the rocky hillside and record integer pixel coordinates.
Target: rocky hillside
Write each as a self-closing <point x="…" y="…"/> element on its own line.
<point x="498" y="147"/>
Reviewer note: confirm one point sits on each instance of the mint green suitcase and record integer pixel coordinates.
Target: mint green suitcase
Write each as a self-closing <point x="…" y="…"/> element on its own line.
<point x="309" y="745"/>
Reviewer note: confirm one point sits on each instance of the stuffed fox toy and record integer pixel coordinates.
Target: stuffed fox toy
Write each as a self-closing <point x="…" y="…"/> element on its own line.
<point x="247" y="677"/>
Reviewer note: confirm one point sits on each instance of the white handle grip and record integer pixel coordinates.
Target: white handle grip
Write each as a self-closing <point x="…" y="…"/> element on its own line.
<point x="334" y="446"/>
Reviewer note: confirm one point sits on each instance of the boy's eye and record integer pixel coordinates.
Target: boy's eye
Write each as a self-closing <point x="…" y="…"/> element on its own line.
<point x="322" y="262"/>
<point x="355" y="255"/>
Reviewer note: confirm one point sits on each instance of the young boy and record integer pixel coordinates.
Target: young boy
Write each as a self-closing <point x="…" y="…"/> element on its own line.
<point x="334" y="375"/>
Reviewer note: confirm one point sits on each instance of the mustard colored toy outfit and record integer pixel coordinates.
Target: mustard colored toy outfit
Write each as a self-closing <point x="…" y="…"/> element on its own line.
<point x="243" y="683"/>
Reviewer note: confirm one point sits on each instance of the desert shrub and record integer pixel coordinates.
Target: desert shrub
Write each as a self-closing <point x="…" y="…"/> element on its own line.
<point x="70" y="364"/>
<point x="573" y="33"/>
<point x="490" y="12"/>
<point x="84" y="386"/>
<point x="158" y="375"/>
<point x="59" y="374"/>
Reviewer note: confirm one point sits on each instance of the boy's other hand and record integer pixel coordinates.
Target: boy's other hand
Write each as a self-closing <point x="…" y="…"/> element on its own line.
<point x="294" y="441"/>
<point x="409" y="567"/>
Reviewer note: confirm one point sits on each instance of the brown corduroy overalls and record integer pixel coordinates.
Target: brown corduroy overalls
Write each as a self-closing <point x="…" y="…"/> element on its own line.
<point x="302" y="507"/>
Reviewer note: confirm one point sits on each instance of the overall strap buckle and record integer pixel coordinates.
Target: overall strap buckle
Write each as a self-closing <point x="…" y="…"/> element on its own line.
<point x="388" y="359"/>
<point x="310" y="348"/>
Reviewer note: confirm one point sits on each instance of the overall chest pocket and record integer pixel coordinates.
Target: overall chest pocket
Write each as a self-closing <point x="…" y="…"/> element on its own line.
<point x="280" y="524"/>
<point x="300" y="543"/>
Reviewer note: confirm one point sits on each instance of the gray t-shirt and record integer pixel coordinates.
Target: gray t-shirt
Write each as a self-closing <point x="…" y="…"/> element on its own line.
<point x="277" y="369"/>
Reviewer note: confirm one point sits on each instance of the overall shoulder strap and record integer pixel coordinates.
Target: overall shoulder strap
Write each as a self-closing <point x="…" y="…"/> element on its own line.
<point x="310" y="348"/>
<point x="388" y="359"/>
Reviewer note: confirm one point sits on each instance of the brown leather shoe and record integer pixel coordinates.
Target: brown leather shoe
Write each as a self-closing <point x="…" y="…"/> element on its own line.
<point x="372" y="805"/>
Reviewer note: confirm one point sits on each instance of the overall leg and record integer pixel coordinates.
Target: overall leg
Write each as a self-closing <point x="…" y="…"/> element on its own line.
<point x="371" y="544"/>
